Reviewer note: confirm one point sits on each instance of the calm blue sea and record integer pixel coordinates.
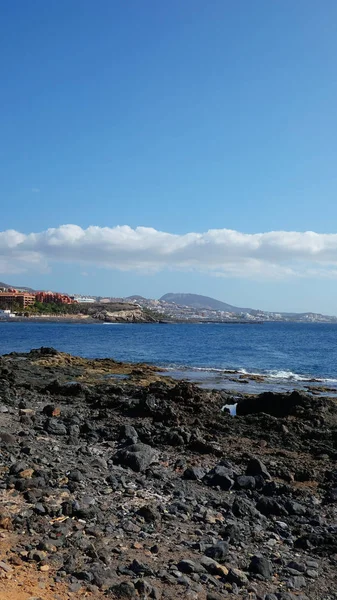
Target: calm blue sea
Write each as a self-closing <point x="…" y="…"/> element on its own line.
<point x="288" y="354"/>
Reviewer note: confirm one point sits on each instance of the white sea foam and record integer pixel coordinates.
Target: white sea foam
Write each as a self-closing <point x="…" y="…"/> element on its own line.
<point x="297" y="377"/>
<point x="282" y="375"/>
<point x="287" y="375"/>
<point x="201" y="369"/>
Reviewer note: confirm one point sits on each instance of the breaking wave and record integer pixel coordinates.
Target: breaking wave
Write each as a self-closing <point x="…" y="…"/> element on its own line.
<point x="273" y="375"/>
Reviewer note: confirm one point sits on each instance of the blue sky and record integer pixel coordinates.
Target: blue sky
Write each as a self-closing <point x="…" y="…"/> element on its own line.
<point x="183" y="117"/>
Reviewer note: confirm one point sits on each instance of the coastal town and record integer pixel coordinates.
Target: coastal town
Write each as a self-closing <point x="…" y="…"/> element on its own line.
<point x="189" y="313"/>
<point x="25" y="302"/>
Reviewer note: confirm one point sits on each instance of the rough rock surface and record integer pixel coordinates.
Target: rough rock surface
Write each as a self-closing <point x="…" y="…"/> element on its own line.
<point x="146" y="489"/>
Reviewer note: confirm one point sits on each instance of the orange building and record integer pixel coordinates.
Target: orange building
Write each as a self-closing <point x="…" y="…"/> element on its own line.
<point x="48" y="297"/>
<point x="12" y="297"/>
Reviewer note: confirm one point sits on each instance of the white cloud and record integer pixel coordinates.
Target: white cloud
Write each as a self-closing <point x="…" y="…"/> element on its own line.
<point x="223" y="252"/>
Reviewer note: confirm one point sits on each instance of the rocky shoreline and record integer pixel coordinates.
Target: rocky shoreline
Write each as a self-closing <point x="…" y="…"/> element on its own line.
<point x="80" y="319"/>
<point x="117" y="482"/>
<point x="131" y="319"/>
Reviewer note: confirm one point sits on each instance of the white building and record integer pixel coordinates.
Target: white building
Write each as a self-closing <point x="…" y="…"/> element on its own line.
<point x="85" y="300"/>
<point x="6" y="314"/>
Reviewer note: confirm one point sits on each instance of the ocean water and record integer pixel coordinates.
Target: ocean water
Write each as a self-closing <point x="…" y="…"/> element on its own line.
<point x="248" y="358"/>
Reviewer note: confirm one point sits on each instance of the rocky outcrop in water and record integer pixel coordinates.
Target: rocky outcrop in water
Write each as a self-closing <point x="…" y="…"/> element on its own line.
<point x="145" y="488"/>
<point x="122" y="313"/>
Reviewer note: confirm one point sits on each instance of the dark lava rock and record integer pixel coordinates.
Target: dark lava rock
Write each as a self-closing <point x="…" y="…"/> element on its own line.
<point x="256" y="467"/>
<point x="190" y="566"/>
<point x="128" y="434"/>
<point x="270" y="506"/>
<point x="298" y="582"/>
<point x="67" y="389"/>
<point x="24" y="484"/>
<point x="137" y="456"/>
<point x="149" y="513"/>
<point x="140" y="568"/>
<point x="146" y="590"/>
<point x="237" y="577"/>
<point x="39" y="509"/>
<point x="220" y="476"/>
<point x="245" y="482"/>
<point x="125" y="590"/>
<point x="260" y="565"/>
<point x="231" y="532"/>
<point x="295" y="508"/>
<point x="244" y="508"/>
<point x="194" y="473"/>
<point x="331" y="496"/>
<point x="99" y="463"/>
<point x="55" y="427"/>
<point x="37" y="555"/>
<point x="43" y="351"/>
<point x="324" y="542"/>
<point x="7" y="439"/>
<point x="173" y="438"/>
<point x="288" y="596"/>
<point x="296" y="566"/>
<point x="211" y="566"/>
<point x="271" y="403"/>
<point x="76" y="475"/>
<point x="218" y="552"/>
<point x="51" y="410"/>
<point x="17" y="467"/>
<point x="84" y="576"/>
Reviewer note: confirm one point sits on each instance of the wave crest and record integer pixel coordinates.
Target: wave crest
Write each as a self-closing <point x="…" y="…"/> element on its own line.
<point x="272" y="375"/>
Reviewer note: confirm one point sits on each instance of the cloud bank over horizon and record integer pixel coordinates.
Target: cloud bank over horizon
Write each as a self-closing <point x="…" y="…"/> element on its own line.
<point x="220" y="252"/>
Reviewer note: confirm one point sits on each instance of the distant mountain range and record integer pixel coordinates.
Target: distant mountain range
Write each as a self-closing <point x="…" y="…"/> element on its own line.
<point x="199" y="302"/>
<point x="203" y="302"/>
<point x="16" y="287"/>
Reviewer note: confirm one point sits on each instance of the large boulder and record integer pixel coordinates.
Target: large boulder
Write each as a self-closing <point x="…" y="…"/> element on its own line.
<point x="277" y="405"/>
